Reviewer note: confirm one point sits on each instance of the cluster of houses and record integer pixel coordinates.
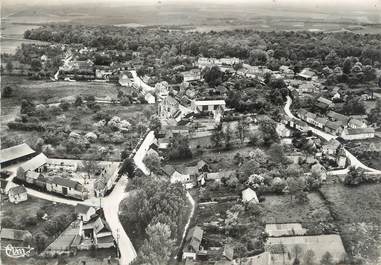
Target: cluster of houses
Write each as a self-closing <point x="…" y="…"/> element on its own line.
<point x="40" y="172"/>
<point x="280" y="247"/>
<point x="349" y="128"/>
<point x="89" y="231"/>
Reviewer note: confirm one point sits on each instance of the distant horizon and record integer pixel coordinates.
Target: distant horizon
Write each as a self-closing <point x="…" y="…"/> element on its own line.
<point x="354" y="5"/>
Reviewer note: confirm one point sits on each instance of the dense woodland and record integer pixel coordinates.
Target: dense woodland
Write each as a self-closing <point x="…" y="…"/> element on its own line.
<point x="288" y="47"/>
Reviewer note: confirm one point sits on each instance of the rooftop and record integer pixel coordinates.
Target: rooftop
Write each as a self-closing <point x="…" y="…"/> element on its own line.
<point x="15" y="152"/>
<point x="35" y="162"/>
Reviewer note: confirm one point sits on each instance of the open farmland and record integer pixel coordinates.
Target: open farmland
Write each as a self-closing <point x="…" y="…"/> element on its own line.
<point x="314" y="214"/>
<point x="357" y="212"/>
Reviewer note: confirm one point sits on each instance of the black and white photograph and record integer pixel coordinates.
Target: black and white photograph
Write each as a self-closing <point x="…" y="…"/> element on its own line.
<point x="190" y="132"/>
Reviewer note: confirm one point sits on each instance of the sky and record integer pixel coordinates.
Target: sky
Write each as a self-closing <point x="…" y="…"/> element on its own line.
<point x="355" y="4"/>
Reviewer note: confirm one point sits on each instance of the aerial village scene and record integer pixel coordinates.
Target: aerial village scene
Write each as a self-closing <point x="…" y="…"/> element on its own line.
<point x="148" y="145"/>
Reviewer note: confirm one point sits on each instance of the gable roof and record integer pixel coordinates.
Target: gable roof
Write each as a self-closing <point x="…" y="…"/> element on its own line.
<point x="359" y="131"/>
<point x="15" y="152"/>
<point x="194" y="238"/>
<point x="249" y="195"/>
<point x="209" y="102"/>
<point x="35" y="162"/>
<point x="337" y="116"/>
<point x="321" y="120"/>
<point x="66" y="183"/>
<point x="228" y="252"/>
<point x="334" y="125"/>
<point x="168" y="170"/>
<point x="324" y="100"/>
<point x="17" y="190"/>
<point x="82" y="208"/>
<point x="14" y="234"/>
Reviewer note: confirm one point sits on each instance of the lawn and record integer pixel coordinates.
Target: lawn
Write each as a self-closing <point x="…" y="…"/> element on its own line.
<point x="93" y="257"/>
<point x="24" y="215"/>
<point x="314" y="214"/>
<point x="42" y="91"/>
<point x="357" y="212"/>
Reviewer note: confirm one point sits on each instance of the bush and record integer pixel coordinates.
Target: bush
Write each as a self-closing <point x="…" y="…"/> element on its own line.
<point x="7" y="222"/>
<point x="29" y="221"/>
<point x="40" y="213"/>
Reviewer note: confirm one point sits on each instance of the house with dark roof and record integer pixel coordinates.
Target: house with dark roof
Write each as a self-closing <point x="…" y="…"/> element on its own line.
<point x="106" y="179"/>
<point x="335" y="116"/>
<point x="334" y="127"/>
<point x="85" y="212"/>
<point x="193" y="243"/>
<point x="67" y="187"/>
<point x="17" y="194"/>
<point x="14" y="234"/>
<point x="15" y="154"/>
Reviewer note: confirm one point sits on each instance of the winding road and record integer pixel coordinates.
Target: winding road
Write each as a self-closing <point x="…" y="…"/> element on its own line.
<point x="353" y="160"/>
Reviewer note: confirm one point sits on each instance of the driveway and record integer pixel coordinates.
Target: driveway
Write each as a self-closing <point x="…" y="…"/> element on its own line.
<point x="353" y="160"/>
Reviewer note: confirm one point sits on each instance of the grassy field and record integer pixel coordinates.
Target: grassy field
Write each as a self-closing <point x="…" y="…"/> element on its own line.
<point x="314" y="214"/>
<point x="93" y="257"/>
<point x="18" y="214"/>
<point x="42" y="91"/>
<point x="357" y="212"/>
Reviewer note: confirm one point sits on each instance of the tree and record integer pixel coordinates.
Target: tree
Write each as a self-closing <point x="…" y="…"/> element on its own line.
<point x="40" y="241"/>
<point x="268" y="128"/>
<point x="327" y="259"/>
<point x="90" y="167"/>
<point x="309" y="257"/>
<point x="157" y="248"/>
<point x="35" y="65"/>
<point x="20" y="173"/>
<point x="347" y="65"/>
<point x="155" y="123"/>
<point x="7" y="92"/>
<point x="27" y="107"/>
<point x="152" y="162"/>
<point x="228" y="136"/>
<point x="242" y="130"/>
<point x="128" y="167"/>
<point x="354" y="177"/>
<point x="295" y="187"/>
<point x="217" y="136"/>
<point x="276" y="153"/>
<point x="213" y="76"/>
<point x="9" y="67"/>
<point x="78" y="101"/>
<point x="179" y="148"/>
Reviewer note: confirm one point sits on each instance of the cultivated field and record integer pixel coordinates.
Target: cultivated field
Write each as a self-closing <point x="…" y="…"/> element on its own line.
<point x="357" y="212"/>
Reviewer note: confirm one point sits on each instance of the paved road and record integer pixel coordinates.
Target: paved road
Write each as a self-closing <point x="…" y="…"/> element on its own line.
<point x="353" y="160"/>
<point x="191" y="200"/>
<point x="110" y="205"/>
<point x="139" y="83"/>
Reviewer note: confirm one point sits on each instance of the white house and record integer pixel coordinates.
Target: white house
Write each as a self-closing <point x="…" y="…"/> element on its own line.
<point x="198" y="106"/>
<point x="358" y="133"/>
<point x="84" y="212"/>
<point x="17" y="194"/>
<point x="150" y="98"/>
<point x="249" y="196"/>
<point x="37" y="163"/>
<point x="67" y="187"/>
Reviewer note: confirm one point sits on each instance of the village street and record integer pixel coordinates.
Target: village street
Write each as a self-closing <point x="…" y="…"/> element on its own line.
<point x="139" y="83"/>
<point x="353" y="160"/>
